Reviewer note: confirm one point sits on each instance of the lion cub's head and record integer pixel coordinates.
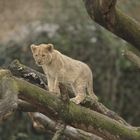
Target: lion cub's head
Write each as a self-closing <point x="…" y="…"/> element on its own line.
<point x="42" y="53"/>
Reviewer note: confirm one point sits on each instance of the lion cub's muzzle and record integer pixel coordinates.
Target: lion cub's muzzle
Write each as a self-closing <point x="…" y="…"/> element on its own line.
<point x="39" y="62"/>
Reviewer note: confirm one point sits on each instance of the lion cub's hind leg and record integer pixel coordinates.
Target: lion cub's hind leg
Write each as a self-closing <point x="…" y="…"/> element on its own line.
<point x="80" y="92"/>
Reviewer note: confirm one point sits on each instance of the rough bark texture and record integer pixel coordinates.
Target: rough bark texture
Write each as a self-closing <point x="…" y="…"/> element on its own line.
<point x="71" y="114"/>
<point x="107" y="15"/>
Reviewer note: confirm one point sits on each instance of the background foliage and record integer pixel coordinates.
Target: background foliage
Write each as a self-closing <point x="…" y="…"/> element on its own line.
<point x="67" y="25"/>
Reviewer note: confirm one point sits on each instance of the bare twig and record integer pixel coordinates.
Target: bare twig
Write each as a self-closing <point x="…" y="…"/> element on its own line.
<point x="131" y="57"/>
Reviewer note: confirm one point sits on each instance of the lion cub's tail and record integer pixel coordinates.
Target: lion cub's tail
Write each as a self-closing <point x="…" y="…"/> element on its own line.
<point x="90" y="90"/>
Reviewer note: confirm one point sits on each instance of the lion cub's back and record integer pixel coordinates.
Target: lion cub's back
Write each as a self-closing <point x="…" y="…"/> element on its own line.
<point x="76" y="68"/>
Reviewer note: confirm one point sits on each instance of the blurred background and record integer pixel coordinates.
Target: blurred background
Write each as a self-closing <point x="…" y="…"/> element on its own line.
<point x="67" y="25"/>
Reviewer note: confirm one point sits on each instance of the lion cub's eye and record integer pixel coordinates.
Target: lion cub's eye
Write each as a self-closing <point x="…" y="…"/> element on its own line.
<point x="36" y="55"/>
<point x="43" y="55"/>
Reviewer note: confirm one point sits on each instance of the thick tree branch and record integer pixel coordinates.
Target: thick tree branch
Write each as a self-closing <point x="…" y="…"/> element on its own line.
<point x="104" y="13"/>
<point x="50" y="125"/>
<point x="47" y="123"/>
<point x="69" y="131"/>
<point x="92" y="121"/>
<point x="28" y="74"/>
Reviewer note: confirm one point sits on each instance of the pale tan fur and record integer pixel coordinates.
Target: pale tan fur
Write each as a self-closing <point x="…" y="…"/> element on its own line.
<point x="61" y="68"/>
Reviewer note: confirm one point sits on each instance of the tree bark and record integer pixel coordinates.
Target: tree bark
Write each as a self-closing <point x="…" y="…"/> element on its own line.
<point x="71" y="114"/>
<point x="110" y="17"/>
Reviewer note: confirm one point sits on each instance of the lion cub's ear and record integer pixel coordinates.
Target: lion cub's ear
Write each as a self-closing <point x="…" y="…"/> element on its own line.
<point x="50" y="47"/>
<point x="33" y="47"/>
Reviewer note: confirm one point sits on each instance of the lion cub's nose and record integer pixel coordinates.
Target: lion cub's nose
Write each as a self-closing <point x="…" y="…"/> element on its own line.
<point x="39" y="62"/>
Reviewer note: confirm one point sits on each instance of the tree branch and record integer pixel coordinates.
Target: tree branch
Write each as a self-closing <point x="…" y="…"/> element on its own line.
<point x="92" y="121"/>
<point x="76" y="134"/>
<point x="110" y="17"/>
<point x="69" y="131"/>
<point x="131" y="57"/>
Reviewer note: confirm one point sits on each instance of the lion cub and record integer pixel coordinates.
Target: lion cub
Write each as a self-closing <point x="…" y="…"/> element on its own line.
<point x="61" y="68"/>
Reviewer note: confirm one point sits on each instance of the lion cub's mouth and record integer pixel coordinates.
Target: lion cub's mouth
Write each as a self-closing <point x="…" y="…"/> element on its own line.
<point x="39" y="63"/>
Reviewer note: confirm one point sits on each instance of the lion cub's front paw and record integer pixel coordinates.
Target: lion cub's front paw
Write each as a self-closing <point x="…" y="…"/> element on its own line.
<point x="75" y="100"/>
